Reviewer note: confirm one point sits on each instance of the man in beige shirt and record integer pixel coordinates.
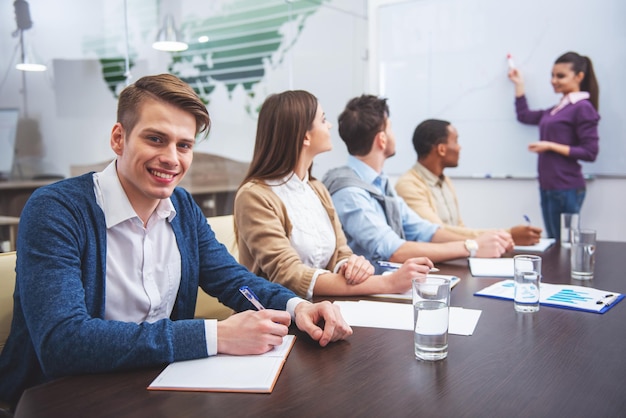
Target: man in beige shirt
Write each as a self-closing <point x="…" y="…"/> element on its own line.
<point x="431" y="194"/>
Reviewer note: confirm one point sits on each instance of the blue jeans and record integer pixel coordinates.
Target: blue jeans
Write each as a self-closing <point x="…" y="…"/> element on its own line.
<point x="555" y="202"/>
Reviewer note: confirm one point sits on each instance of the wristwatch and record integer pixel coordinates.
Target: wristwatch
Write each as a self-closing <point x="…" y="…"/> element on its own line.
<point x="471" y="246"/>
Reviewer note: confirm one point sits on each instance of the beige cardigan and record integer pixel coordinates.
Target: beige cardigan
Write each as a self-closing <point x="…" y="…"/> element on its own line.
<point x="264" y="228"/>
<point x="417" y="195"/>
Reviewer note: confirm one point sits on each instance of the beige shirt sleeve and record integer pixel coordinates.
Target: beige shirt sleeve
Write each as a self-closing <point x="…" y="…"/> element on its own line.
<point x="417" y="195"/>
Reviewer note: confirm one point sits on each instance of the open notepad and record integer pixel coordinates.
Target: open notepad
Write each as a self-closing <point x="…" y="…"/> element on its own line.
<point x="225" y="373"/>
<point x="560" y="296"/>
<point x="541" y="246"/>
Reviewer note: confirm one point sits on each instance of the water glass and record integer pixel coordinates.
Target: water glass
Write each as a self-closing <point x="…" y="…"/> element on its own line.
<point x="527" y="278"/>
<point x="583" y="255"/>
<point x="569" y="221"/>
<point x="431" y="308"/>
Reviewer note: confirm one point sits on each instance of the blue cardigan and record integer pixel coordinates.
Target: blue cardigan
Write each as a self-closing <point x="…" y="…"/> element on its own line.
<point x="58" y="323"/>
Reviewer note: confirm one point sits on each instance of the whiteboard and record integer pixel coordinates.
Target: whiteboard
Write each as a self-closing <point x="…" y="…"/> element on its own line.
<point x="446" y="59"/>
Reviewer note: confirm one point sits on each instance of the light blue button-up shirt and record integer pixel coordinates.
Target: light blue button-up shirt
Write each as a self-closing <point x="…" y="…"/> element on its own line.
<point x="364" y="222"/>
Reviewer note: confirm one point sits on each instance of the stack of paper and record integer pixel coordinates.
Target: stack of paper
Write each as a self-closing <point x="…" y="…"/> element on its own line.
<point x="560" y="295"/>
<point x="225" y="373"/>
<point x="365" y="313"/>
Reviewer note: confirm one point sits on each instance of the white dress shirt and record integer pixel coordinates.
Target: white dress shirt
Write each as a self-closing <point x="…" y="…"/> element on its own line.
<point x="143" y="264"/>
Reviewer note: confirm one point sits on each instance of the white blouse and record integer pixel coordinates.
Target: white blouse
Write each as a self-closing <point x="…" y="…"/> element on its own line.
<point x="312" y="235"/>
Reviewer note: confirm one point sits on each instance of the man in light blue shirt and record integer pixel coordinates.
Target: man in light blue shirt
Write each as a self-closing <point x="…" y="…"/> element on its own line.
<point x="378" y="224"/>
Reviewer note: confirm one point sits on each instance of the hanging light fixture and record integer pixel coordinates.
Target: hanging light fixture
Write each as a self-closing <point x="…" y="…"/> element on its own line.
<point x="27" y="57"/>
<point x="168" y="38"/>
<point x="28" y="62"/>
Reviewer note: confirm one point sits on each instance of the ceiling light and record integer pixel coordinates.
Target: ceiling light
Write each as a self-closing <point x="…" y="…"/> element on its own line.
<point x="168" y="38"/>
<point x="28" y="62"/>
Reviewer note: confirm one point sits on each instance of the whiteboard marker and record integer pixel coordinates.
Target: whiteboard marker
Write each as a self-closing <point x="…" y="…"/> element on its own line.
<point x="509" y="60"/>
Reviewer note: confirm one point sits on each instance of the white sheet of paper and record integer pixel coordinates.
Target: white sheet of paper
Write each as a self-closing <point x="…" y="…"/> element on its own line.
<point x="491" y="267"/>
<point x="463" y="321"/>
<point x="365" y="313"/>
<point x="541" y="246"/>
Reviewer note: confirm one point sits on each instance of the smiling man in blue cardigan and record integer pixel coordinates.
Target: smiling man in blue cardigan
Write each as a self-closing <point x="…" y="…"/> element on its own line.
<point x="109" y="263"/>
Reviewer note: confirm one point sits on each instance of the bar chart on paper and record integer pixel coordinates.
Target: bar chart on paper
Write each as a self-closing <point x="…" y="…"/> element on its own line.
<point x="571" y="296"/>
<point x="560" y="296"/>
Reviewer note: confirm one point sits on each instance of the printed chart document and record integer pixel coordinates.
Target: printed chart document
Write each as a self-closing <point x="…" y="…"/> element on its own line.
<point x="408" y="295"/>
<point x="540" y="247"/>
<point x="491" y="267"/>
<point x="560" y="296"/>
<point x="226" y="373"/>
<point x="366" y="313"/>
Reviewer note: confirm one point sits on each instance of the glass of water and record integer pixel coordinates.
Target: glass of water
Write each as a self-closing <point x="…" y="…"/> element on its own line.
<point x="431" y="307"/>
<point x="583" y="255"/>
<point x="569" y="222"/>
<point x="527" y="281"/>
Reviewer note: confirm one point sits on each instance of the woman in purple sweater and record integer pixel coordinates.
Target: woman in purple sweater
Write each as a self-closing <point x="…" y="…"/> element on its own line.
<point x="568" y="132"/>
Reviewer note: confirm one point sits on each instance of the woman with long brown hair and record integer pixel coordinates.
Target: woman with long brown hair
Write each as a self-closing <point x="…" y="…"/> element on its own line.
<point x="568" y="132"/>
<point x="288" y="230"/>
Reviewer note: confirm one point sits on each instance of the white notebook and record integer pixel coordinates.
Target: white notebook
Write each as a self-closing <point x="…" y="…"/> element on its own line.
<point x="226" y="373"/>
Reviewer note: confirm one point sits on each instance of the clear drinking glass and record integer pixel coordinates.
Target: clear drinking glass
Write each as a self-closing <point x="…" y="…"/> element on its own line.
<point x="583" y="254"/>
<point x="527" y="281"/>
<point x="431" y="307"/>
<point x="569" y="221"/>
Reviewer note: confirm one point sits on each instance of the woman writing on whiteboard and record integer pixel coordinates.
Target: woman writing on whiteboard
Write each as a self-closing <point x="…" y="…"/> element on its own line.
<point x="568" y="132"/>
<point x="287" y="227"/>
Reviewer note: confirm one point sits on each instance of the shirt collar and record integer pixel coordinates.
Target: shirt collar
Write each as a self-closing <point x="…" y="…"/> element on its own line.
<point x="114" y="202"/>
<point x="573" y="97"/>
<point x="431" y="179"/>
<point x="367" y="173"/>
<point x="577" y="96"/>
<point x="291" y="181"/>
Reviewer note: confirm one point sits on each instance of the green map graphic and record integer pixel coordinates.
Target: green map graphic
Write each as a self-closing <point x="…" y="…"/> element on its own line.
<point x="245" y="38"/>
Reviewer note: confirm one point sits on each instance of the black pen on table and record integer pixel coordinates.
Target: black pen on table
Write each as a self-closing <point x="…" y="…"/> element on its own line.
<point x="527" y="219"/>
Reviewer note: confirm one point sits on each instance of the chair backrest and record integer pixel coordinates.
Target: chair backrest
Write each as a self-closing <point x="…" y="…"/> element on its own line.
<point x="7" y="286"/>
<point x="224" y="228"/>
<point x="208" y="306"/>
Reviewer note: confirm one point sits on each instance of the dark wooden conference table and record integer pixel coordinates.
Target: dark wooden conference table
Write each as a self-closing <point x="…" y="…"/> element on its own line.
<point x="555" y="362"/>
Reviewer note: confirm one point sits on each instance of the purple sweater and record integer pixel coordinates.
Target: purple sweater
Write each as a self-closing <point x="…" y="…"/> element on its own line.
<point x="575" y="125"/>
